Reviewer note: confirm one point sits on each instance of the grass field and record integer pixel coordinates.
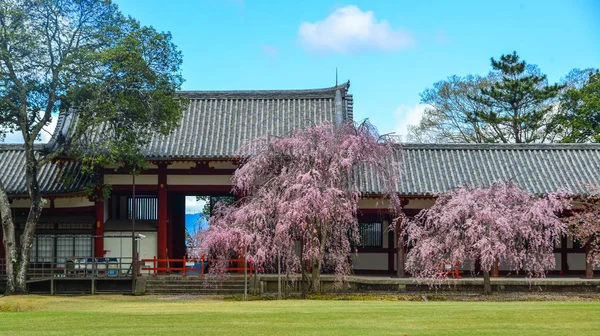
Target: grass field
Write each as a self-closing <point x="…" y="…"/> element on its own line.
<point x="110" y="315"/>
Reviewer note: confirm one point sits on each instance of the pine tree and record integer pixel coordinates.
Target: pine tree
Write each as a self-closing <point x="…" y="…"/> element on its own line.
<point x="520" y="102"/>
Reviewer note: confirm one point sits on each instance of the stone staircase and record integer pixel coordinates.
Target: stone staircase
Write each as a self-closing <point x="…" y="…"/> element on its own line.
<point x="193" y="285"/>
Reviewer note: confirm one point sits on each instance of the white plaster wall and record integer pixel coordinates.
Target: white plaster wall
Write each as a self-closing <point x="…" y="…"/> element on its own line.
<point x="557" y="261"/>
<point x="199" y="180"/>
<point x="576" y="261"/>
<point x="25" y="203"/>
<point x="212" y="164"/>
<point x="72" y="202"/>
<point x="63" y="202"/>
<point x="120" y="179"/>
<point x="381" y="203"/>
<point x="372" y="203"/>
<point x="370" y="261"/>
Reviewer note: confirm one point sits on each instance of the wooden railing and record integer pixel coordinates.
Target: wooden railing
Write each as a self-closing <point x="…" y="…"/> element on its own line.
<point x="158" y="265"/>
<point x="42" y="268"/>
<point x="449" y="269"/>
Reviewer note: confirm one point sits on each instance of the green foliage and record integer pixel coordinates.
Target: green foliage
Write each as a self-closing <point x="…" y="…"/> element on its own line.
<point x="519" y="101"/>
<point x="579" y="119"/>
<point x="513" y="103"/>
<point x="110" y="80"/>
<point x="452" y="113"/>
<point x="82" y="59"/>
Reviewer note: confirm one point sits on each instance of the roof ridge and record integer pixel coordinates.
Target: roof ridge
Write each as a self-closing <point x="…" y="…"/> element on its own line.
<point x="502" y="146"/>
<point x="19" y="146"/>
<point x="290" y="93"/>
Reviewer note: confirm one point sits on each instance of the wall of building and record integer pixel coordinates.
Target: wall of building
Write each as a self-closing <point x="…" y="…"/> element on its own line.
<point x="120" y="245"/>
<point x="126" y="179"/>
<point x="62" y="202"/>
<point x="199" y="180"/>
<point x="370" y="261"/>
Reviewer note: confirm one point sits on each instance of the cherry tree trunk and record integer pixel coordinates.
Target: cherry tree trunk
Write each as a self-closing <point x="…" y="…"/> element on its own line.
<point x="487" y="284"/>
<point x="35" y="210"/>
<point x="316" y="276"/>
<point x="8" y="237"/>
<point x="589" y="265"/>
<point x="316" y="265"/>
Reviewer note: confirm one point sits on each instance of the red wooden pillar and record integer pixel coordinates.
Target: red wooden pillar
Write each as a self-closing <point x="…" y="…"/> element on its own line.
<point x="564" y="265"/>
<point x="99" y="230"/>
<point x="495" y="270"/>
<point x="391" y="251"/>
<point x="162" y="214"/>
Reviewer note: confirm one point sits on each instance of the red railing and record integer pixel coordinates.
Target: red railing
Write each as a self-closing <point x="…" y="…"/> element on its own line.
<point x="158" y="265"/>
<point x="447" y="268"/>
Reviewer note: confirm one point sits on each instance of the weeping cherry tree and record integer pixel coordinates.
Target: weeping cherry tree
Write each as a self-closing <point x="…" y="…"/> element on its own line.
<point x="300" y="192"/>
<point x="502" y="223"/>
<point x="584" y="226"/>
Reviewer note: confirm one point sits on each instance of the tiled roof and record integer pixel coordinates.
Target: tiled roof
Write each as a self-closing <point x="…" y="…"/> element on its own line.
<point x="429" y="169"/>
<point x="216" y="123"/>
<point x="53" y="179"/>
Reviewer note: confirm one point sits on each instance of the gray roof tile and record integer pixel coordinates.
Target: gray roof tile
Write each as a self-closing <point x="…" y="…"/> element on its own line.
<point x="217" y="123"/>
<point x="52" y="177"/>
<point x="430" y="169"/>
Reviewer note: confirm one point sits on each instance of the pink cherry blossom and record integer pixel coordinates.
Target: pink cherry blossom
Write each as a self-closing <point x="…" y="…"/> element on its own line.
<point x="301" y="192"/>
<point x="584" y="224"/>
<point x="502" y="223"/>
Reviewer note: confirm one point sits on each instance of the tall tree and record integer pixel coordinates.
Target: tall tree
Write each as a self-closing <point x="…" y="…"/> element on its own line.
<point x="513" y="103"/>
<point x="520" y="101"/>
<point x="303" y="188"/>
<point x="579" y="117"/>
<point x="452" y="115"/>
<point x="502" y="223"/>
<point x="114" y="79"/>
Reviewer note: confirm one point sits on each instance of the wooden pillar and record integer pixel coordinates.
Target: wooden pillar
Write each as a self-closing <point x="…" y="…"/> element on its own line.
<point x="564" y="265"/>
<point x="391" y="251"/>
<point x="495" y="269"/>
<point x="162" y="214"/>
<point x="400" y="272"/>
<point x="170" y="226"/>
<point x="99" y="230"/>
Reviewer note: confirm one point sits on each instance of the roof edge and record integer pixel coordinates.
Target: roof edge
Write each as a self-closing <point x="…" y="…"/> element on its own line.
<point x="328" y="92"/>
<point x="502" y="146"/>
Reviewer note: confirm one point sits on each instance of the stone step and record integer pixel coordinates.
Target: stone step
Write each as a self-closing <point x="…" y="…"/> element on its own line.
<point x="194" y="283"/>
<point x="168" y="287"/>
<point x="196" y="291"/>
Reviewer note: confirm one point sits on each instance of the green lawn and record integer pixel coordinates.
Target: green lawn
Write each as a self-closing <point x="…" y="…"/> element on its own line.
<point x="106" y="315"/>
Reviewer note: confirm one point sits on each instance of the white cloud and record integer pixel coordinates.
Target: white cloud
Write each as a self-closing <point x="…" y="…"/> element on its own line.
<point x="192" y="206"/>
<point x="45" y="134"/>
<point x="406" y="115"/>
<point x="350" y="30"/>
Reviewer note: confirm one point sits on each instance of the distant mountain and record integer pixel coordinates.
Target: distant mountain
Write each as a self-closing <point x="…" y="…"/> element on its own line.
<point x="195" y="221"/>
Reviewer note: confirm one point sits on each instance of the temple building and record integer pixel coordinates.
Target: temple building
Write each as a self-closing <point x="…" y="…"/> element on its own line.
<point x="199" y="158"/>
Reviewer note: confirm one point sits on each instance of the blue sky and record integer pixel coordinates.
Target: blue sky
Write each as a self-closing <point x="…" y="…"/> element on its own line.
<point x="390" y="50"/>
